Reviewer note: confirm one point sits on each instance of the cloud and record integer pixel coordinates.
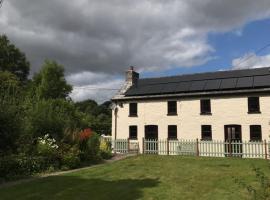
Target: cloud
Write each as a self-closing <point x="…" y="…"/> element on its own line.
<point x="251" y="60"/>
<point x="98" y="86"/>
<point x="105" y="37"/>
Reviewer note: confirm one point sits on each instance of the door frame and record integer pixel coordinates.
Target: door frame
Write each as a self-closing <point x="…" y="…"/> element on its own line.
<point x="233" y="147"/>
<point x="151" y="144"/>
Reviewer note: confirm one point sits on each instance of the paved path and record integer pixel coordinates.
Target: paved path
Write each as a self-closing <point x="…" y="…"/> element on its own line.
<point x="39" y="176"/>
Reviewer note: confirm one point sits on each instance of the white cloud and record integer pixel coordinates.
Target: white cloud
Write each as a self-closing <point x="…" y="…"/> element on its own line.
<point x="96" y="40"/>
<point x="97" y="86"/>
<point x="251" y="60"/>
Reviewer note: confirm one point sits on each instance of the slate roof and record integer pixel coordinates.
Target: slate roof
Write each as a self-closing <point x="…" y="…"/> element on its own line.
<point x="203" y="82"/>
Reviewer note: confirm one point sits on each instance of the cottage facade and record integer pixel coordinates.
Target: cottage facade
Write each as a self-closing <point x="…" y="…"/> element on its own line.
<point x="227" y="105"/>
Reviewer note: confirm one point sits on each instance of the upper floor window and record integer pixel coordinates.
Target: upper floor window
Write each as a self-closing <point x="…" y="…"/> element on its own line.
<point x="205" y="106"/>
<point x="255" y="133"/>
<point x="206" y="132"/>
<point x="172" y="108"/>
<point x="253" y="104"/>
<point x="133" y="132"/>
<point x="133" y="109"/>
<point x="172" y="132"/>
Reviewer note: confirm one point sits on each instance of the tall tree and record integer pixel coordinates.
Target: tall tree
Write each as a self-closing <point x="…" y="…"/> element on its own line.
<point x="12" y="59"/>
<point x="50" y="82"/>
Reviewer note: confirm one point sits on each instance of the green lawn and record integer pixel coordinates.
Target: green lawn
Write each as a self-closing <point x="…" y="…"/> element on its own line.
<point x="146" y="177"/>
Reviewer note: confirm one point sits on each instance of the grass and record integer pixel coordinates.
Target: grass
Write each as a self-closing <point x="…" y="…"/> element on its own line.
<point x="146" y="177"/>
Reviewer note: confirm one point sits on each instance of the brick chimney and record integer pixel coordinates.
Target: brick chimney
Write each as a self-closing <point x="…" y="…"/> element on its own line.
<point x="132" y="76"/>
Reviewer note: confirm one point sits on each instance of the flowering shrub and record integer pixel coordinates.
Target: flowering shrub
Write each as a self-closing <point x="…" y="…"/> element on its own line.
<point x="85" y="134"/>
<point x="46" y="146"/>
<point x="105" y="149"/>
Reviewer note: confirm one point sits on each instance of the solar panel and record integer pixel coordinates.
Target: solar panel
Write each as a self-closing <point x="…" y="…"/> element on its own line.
<point x="260" y="81"/>
<point x="183" y="87"/>
<point x="221" y="80"/>
<point x="212" y="84"/>
<point x="229" y="83"/>
<point x="197" y="85"/>
<point x="244" y="82"/>
<point x="169" y="88"/>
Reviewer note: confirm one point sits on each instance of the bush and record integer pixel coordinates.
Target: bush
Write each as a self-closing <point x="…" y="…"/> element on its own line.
<point x="105" y="149"/>
<point x="18" y="166"/>
<point x="90" y="150"/>
<point x="70" y="159"/>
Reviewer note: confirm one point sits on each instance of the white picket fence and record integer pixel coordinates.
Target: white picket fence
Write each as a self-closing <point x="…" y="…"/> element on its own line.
<point x="213" y="148"/>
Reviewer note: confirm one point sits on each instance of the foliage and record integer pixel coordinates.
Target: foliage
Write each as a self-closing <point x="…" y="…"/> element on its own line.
<point x="98" y="117"/>
<point x="105" y="149"/>
<point x="40" y="127"/>
<point x="70" y="158"/>
<point x="46" y="146"/>
<point x="85" y="134"/>
<point x="90" y="150"/>
<point x="50" y="82"/>
<point x="262" y="190"/>
<point x="17" y="166"/>
<point x="12" y="59"/>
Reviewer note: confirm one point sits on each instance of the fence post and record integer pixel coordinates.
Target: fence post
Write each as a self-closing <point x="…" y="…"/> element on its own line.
<point x="143" y="145"/>
<point x="168" y="148"/>
<point x="230" y="148"/>
<point x="265" y="148"/>
<point x="197" y="147"/>
<point x="128" y="147"/>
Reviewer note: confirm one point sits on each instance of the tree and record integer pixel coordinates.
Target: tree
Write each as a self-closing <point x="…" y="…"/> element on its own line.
<point x="50" y="82"/>
<point x="12" y="59"/>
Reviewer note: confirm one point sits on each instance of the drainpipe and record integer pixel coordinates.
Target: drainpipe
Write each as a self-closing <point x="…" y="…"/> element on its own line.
<point x="115" y="122"/>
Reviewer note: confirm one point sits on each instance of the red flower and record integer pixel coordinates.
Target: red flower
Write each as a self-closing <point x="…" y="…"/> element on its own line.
<point x="85" y="134"/>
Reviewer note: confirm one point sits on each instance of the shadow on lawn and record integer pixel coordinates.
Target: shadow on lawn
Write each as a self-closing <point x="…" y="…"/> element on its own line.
<point x="71" y="187"/>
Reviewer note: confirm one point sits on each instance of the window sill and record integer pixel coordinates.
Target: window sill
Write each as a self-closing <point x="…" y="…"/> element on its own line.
<point x="133" y="115"/>
<point x="172" y="114"/>
<point x="206" y="113"/>
<point x="133" y="138"/>
<point x="254" y="112"/>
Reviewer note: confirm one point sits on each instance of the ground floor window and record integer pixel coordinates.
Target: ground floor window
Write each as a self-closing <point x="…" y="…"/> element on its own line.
<point x="255" y="133"/>
<point x="133" y="132"/>
<point x="206" y="131"/>
<point x="172" y="132"/>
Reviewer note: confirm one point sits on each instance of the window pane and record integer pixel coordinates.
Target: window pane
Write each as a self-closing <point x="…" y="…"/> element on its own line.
<point x="172" y="107"/>
<point x="205" y="106"/>
<point x="172" y="132"/>
<point x="253" y="104"/>
<point x="206" y="132"/>
<point x="133" y="109"/>
<point x="133" y="132"/>
<point x="255" y="133"/>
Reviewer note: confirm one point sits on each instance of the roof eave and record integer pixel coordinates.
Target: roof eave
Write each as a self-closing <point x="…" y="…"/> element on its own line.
<point x="193" y="94"/>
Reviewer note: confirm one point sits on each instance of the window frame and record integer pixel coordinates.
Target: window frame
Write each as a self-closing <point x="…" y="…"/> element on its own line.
<point x="174" y="137"/>
<point x="169" y="112"/>
<point x="131" y="113"/>
<point x="130" y="132"/>
<point x="203" y="110"/>
<point x="251" y="138"/>
<point x="203" y="138"/>
<point x="251" y="109"/>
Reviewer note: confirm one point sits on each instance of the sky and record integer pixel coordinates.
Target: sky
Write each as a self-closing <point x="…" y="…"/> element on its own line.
<point x="97" y="40"/>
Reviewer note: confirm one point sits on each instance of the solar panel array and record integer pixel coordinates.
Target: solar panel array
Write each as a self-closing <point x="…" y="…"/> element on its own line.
<point x="212" y="81"/>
